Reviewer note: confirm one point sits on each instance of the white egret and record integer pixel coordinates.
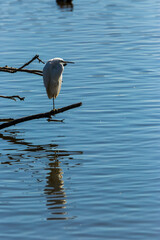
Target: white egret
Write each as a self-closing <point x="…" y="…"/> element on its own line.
<point x="52" y="76"/>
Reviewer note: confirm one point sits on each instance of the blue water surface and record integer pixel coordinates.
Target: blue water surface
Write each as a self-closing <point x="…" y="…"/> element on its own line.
<point x="96" y="175"/>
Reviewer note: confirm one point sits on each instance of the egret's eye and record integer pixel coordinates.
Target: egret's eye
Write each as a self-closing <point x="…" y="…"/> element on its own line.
<point x="63" y="63"/>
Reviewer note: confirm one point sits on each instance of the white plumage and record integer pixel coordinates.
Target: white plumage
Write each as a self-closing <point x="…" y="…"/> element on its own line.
<point x="52" y="76"/>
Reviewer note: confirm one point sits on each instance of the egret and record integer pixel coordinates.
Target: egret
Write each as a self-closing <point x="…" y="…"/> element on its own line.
<point x="52" y="76"/>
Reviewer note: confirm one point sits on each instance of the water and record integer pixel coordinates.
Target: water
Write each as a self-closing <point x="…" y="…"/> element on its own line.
<point x="96" y="175"/>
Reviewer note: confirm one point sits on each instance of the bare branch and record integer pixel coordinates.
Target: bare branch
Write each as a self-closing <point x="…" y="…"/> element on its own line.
<point x="21" y="69"/>
<point x="24" y="65"/>
<point x="6" y="119"/>
<point x="13" y="70"/>
<point x="40" y="115"/>
<point x="40" y="60"/>
<point x="13" y="97"/>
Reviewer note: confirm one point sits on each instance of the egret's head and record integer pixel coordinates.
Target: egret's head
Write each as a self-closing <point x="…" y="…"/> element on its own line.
<point x="60" y="61"/>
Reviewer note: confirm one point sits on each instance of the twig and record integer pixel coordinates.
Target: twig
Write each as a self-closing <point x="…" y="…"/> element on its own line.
<point x="13" y="70"/>
<point x="40" y="60"/>
<point x="13" y="97"/>
<point x="35" y="57"/>
<point x="21" y="69"/>
<point x="6" y="119"/>
<point x="54" y="120"/>
<point x="40" y="115"/>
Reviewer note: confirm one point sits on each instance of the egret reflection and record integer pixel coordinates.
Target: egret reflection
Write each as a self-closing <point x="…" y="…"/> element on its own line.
<point x="56" y="196"/>
<point x="41" y="160"/>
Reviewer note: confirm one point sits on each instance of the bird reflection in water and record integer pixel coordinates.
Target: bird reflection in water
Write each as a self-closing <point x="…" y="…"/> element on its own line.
<point x="65" y="4"/>
<point x="54" y="189"/>
<point x="56" y="197"/>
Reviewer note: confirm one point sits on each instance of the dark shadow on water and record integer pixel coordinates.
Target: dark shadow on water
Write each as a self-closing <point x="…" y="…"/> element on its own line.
<point x="65" y="4"/>
<point x="54" y="189"/>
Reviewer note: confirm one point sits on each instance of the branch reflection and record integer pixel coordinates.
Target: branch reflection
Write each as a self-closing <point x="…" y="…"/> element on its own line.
<point x="54" y="189"/>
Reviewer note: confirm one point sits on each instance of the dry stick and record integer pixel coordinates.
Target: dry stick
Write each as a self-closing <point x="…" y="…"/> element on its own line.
<point x="6" y="119"/>
<point x="13" y="70"/>
<point x="21" y="69"/>
<point x="24" y="65"/>
<point x="40" y="115"/>
<point x="13" y="97"/>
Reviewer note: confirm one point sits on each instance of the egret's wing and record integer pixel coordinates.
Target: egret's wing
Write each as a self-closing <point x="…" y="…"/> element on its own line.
<point x="52" y="78"/>
<point x="46" y="74"/>
<point x="56" y="81"/>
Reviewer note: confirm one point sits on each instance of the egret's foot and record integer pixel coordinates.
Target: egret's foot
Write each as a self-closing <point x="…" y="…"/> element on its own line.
<point x="49" y="118"/>
<point x="54" y="120"/>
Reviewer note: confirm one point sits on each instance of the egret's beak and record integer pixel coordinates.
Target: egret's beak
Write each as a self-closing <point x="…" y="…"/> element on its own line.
<point x="65" y="62"/>
<point x="68" y="62"/>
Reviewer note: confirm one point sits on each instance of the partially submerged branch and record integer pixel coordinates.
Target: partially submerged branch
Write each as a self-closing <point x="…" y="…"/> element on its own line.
<point x="13" y="97"/>
<point x="40" y="115"/>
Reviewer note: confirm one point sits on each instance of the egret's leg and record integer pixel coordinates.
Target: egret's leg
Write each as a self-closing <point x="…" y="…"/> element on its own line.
<point x="53" y="104"/>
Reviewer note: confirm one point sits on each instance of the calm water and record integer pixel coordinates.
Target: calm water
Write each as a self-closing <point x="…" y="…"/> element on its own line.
<point x="97" y="174"/>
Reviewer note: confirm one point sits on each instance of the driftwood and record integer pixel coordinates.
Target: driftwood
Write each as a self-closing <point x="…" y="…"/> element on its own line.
<point x="40" y="115"/>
